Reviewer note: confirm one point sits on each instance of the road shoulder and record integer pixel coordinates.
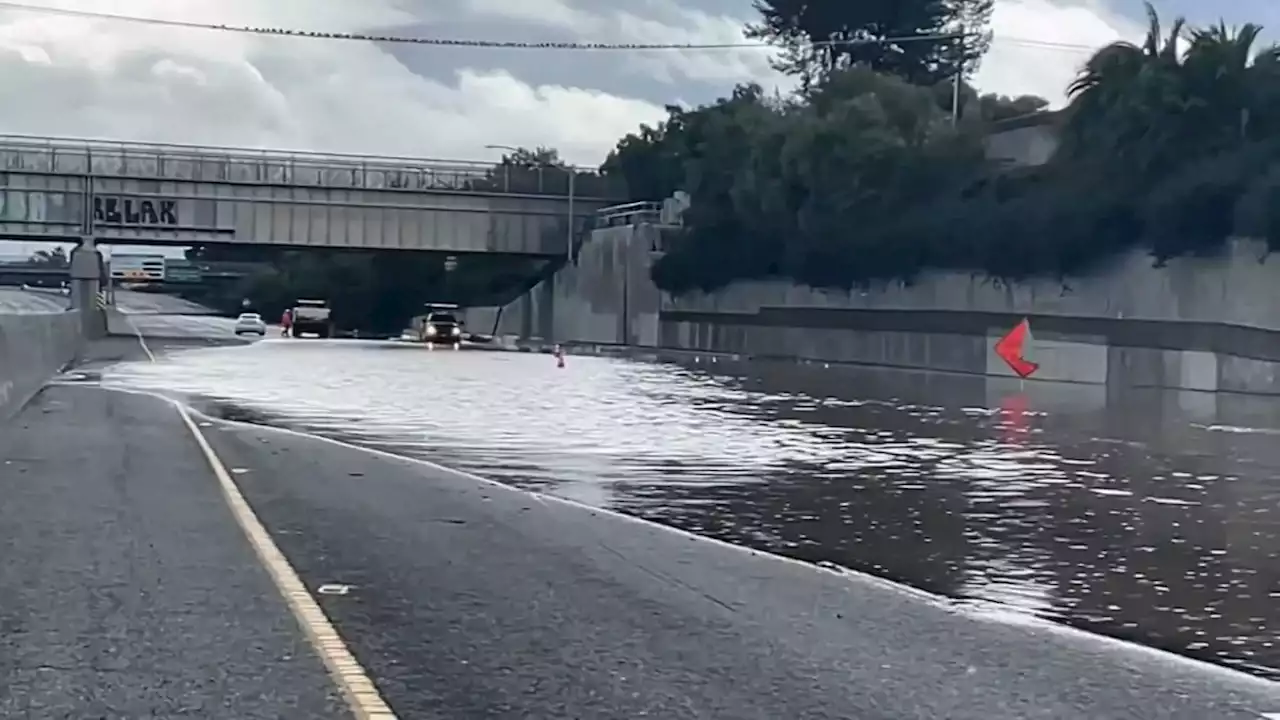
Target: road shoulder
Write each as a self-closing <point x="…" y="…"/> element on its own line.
<point x="130" y="591"/>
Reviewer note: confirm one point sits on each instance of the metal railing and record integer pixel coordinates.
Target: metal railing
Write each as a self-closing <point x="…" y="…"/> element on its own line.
<point x="169" y="161"/>
<point x="637" y="213"/>
<point x="632" y="213"/>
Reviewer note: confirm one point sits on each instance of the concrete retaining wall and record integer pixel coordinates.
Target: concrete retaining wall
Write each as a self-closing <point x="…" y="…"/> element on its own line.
<point x="33" y="348"/>
<point x="603" y="296"/>
<point x="1196" y="323"/>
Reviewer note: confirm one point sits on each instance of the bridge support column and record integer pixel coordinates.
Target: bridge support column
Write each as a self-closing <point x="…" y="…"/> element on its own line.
<point x="86" y="284"/>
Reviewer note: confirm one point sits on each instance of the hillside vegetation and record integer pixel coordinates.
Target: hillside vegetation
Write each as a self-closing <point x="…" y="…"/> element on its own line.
<point x="1170" y="145"/>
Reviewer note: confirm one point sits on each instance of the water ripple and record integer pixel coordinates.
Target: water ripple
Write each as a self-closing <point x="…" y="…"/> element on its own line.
<point x="1149" y="517"/>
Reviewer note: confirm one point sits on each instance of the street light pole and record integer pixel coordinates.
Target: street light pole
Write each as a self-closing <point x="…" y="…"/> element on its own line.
<point x="506" y="171"/>
<point x="568" y="248"/>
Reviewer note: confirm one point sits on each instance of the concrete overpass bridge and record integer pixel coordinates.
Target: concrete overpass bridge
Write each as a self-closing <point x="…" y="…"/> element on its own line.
<point x="67" y="190"/>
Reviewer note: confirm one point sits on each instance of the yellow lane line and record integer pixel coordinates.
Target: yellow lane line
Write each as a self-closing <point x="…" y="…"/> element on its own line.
<point x="358" y="689"/>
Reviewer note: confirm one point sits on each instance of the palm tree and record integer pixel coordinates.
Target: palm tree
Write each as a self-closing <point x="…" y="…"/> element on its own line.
<point x="1226" y="82"/>
<point x="1177" y="95"/>
<point x="1121" y="89"/>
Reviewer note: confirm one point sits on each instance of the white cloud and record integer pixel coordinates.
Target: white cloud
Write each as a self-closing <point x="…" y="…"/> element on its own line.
<point x="1013" y="67"/>
<point x="88" y="77"/>
<point x="78" y="76"/>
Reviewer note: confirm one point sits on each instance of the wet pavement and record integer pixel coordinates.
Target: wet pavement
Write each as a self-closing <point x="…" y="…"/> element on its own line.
<point x="16" y="300"/>
<point x="1149" y="516"/>
<point x="155" y="303"/>
<point x="176" y="326"/>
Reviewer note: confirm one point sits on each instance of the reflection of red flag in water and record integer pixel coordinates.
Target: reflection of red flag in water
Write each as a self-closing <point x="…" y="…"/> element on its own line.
<point x="1009" y="348"/>
<point x="1013" y="419"/>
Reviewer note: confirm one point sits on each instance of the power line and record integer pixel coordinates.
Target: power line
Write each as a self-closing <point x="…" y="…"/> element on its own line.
<point x="509" y="45"/>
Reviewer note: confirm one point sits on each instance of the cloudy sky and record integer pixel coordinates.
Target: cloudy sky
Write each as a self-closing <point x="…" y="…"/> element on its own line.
<point x="62" y="75"/>
<point x="88" y="77"/>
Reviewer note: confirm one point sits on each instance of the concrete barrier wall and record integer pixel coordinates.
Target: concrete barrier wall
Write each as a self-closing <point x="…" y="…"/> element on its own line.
<point x="33" y="348"/>
<point x="603" y="296"/>
<point x="1239" y="287"/>
<point x="1195" y="323"/>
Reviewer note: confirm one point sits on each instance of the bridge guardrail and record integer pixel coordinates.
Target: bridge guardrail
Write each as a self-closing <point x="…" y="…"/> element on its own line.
<point x="163" y="161"/>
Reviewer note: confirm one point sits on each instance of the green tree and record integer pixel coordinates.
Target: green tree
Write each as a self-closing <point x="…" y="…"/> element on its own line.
<point x="540" y="157"/>
<point x="861" y="177"/>
<point x="541" y="171"/>
<point x="818" y="37"/>
<point x="649" y="164"/>
<point x="1120" y="91"/>
<point x="778" y="187"/>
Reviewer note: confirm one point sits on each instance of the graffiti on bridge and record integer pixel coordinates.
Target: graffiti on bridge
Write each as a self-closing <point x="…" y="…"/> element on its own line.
<point x="125" y="211"/>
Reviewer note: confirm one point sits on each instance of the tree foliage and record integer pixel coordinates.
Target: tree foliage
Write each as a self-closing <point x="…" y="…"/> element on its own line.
<point x="922" y="41"/>
<point x="541" y="171"/>
<point x="1172" y="144"/>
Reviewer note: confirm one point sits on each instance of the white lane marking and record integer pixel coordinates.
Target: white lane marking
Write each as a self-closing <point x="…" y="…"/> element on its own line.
<point x="360" y="692"/>
<point x="141" y="340"/>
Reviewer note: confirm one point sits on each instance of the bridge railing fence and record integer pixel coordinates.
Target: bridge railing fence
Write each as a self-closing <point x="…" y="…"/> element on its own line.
<point x="162" y="161"/>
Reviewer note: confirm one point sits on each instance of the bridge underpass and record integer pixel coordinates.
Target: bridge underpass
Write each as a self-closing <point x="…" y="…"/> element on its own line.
<point x="366" y="309"/>
<point x="92" y="192"/>
<point x="55" y="189"/>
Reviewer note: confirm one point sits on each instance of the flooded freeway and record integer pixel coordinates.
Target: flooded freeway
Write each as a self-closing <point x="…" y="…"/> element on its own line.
<point x="1151" y="517"/>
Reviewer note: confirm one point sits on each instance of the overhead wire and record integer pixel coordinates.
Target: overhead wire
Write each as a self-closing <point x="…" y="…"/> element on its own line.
<point x="514" y="44"/>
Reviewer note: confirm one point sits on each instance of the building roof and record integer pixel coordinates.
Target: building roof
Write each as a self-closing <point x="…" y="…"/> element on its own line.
<point x="1042" y="118"/>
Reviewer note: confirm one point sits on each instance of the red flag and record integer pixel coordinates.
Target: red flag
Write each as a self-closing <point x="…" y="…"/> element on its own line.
<point x="1009" y="348"/>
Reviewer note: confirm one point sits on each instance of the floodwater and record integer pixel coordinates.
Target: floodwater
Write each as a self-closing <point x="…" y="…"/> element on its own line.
<point x="1151" y="516"/>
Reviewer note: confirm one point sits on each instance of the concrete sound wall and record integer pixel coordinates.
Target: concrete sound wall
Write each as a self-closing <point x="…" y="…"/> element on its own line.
<point x="33" y="348"/>
<point x="1194" y="323"/>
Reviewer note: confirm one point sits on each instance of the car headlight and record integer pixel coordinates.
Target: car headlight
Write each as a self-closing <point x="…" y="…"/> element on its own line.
<point x="457" y="330"/>
<point x="431" y="330"/>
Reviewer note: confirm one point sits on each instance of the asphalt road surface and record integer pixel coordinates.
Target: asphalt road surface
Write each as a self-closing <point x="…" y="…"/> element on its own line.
<point x="16" y="300"/>
<point x="134" y="594"/>
<point x="129" y="590"/>
<point x="473" y="600"/>
<point x="155" y="303"/>
<point x="163" y="316"/>
<point x="13" y="300"/>
<point x="195" y="327"/>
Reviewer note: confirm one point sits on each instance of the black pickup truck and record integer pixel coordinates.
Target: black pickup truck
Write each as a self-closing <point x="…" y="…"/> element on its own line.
<point x="441" y="328"/>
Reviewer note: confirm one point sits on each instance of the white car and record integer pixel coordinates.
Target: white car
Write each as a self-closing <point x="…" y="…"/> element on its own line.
<point x="250" y="324"/>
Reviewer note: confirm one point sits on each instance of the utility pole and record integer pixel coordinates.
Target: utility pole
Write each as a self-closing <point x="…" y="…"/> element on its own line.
<point x="956" y="81"/>
<point x="955" y="98"/>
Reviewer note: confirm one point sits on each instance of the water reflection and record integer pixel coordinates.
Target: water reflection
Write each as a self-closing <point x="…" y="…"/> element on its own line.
<point x="1143" y="515"/>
